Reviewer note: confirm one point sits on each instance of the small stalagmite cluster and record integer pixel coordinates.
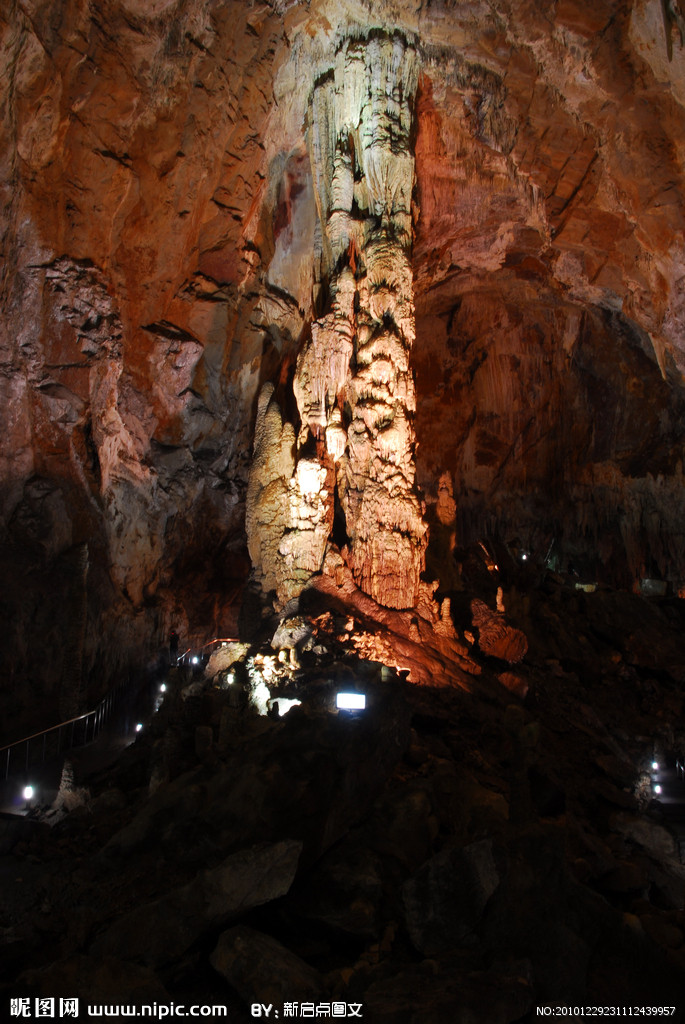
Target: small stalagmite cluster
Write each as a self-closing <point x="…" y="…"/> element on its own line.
<point x="353" y="383"/>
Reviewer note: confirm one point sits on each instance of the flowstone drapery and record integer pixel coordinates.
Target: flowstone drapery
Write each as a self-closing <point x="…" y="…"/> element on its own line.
<point x="353" y="384"/>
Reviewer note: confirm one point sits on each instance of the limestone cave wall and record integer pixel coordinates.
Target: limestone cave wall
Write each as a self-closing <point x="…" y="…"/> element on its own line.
<point x="168" y="255"/>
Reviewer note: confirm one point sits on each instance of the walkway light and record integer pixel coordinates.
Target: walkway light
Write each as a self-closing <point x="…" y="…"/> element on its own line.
<point x="655" y="766"/>
<point x="139" y="727"/>
<point x="28" y="793"/>
<point x="351" y="701"/>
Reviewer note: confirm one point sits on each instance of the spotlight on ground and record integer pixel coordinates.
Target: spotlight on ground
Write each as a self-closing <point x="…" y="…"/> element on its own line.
<point x="351" y="701"/>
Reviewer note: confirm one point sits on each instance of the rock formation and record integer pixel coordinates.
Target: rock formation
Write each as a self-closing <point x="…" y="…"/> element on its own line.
<point x="274" y="276"/>
<point x="288" y="519"/>
<point x="198" y="199"/>
<point x="353" y="384"/>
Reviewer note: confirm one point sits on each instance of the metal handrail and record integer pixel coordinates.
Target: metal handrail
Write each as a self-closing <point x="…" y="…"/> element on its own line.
<point x="99" y="715"/>
<point x="220" y="640"/>
<point x="217" y="640"/>
<point x="35" y="735"/>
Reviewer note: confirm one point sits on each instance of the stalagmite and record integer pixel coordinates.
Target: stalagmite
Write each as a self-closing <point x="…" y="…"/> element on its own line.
<point x="359" y="135"/>
<point x="353" y="384"/>
<point x="288" y="514"/>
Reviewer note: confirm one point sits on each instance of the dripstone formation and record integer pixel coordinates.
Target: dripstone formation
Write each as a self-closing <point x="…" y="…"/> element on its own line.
<point x="208" y="201"/>
<point x="353" y="383"/>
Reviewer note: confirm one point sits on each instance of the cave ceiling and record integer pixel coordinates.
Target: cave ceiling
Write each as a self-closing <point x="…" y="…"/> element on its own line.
<point x="161" y="219"/>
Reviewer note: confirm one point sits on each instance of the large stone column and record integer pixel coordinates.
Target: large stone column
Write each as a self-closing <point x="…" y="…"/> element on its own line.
<point x="353" y="383"/>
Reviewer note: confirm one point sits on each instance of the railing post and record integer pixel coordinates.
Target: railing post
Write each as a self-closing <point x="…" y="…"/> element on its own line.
<point x="45" y="739"/>
<point x="7" y="766"/>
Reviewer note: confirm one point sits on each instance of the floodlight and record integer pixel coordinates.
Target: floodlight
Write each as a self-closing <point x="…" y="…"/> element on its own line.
<point x="351" y="701"/>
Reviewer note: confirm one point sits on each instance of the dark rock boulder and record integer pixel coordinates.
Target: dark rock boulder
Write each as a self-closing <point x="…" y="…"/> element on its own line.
<point x="261" y="970"/>
<point x="344" y="891"/>
<point x="161" y="931"/>
<point x="445" y="899"/>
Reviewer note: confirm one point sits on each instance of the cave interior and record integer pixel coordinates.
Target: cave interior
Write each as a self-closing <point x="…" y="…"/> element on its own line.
<point x="343" y="352"/>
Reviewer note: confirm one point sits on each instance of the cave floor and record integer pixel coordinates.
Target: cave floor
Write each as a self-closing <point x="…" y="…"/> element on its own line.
<point x="477" y="843"/>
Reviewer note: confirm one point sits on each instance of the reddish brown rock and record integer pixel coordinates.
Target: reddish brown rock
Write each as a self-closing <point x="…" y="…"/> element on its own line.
<point x="495" y="637"/>
<point x="166" y="253"/>
<point x="515" y="684"/>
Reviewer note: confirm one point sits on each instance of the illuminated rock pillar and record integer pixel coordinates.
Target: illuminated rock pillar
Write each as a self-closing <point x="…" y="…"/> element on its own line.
<point x="353" y="383"/>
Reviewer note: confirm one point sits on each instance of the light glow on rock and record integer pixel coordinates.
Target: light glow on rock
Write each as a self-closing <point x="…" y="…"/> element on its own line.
<point x="260" y="698"/>
<point x="284" y="704"/>
<point x="310" y="477"/>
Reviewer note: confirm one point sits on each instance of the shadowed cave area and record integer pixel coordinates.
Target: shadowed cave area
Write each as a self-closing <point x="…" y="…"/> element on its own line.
<point x="342" y="361"/>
